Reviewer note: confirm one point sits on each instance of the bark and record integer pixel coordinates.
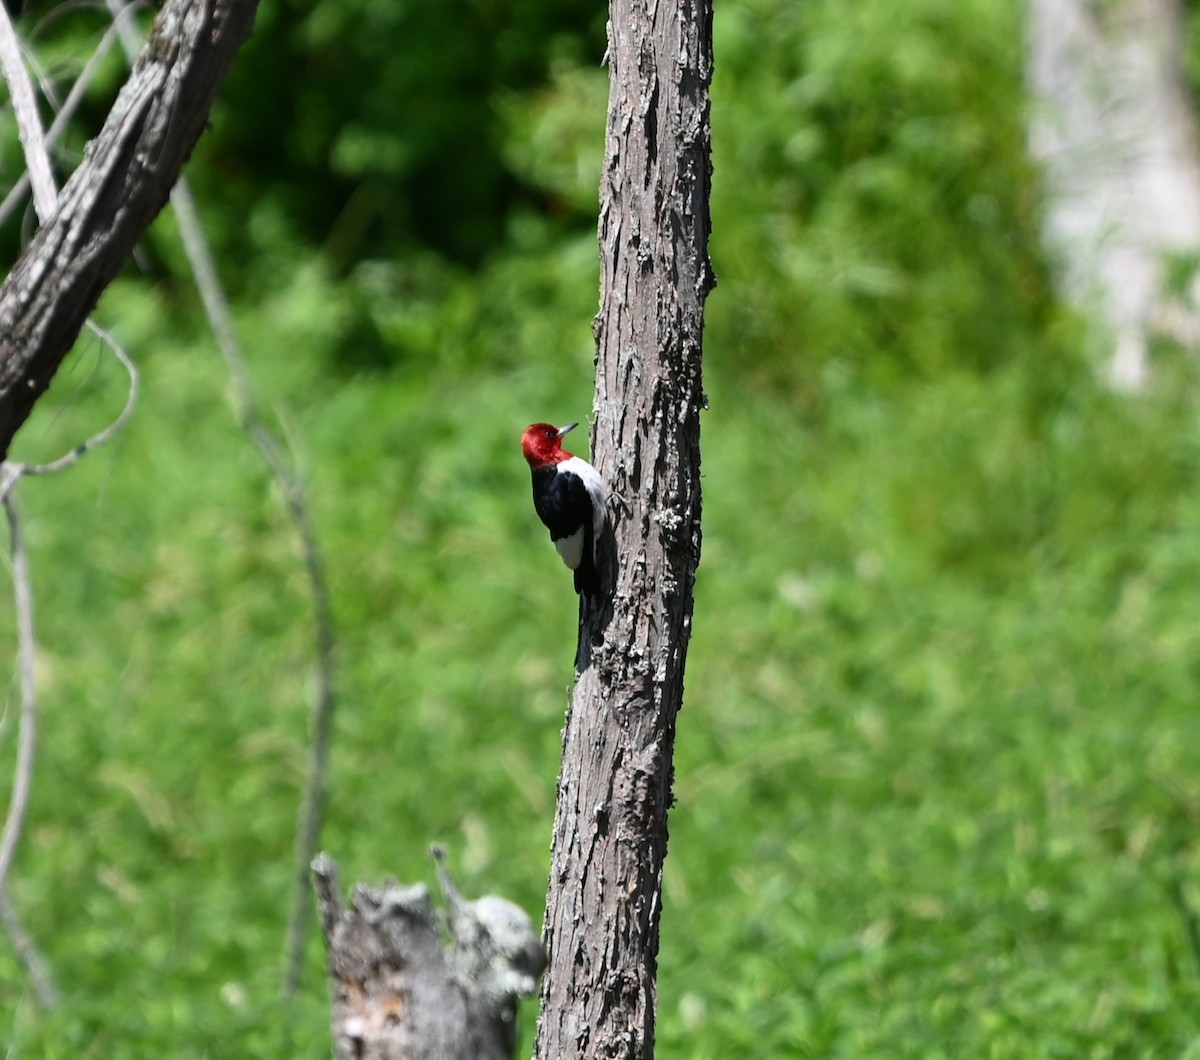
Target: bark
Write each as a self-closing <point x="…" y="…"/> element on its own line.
<point x="400" y="994"/>
<point x="124" y="180"/>
<point x="1114" y="130"/>
<point x="614" y="789"/>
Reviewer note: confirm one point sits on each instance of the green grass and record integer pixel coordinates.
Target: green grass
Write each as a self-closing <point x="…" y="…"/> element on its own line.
<point x="932" y="808"/>
<point x="937" y="768"/>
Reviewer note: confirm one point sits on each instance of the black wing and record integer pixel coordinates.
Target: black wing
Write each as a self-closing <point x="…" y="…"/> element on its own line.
<point x="562" y="502"/>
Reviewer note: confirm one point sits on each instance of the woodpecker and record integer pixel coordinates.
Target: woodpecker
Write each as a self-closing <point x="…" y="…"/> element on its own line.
<point x="568" y="495"/>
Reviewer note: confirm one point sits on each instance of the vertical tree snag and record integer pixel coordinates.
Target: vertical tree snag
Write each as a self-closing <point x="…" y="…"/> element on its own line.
<point x="610" y="831"/>
<point x="110" y="200"/>
<point x="1114" y="128"/>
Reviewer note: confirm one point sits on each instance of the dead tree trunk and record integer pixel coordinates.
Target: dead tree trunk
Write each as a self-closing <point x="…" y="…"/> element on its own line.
<point x="614" y="789"/>
<point x="402" y="993"/>
<point x="1114" y="130"/>
<point x="118" y="189"/>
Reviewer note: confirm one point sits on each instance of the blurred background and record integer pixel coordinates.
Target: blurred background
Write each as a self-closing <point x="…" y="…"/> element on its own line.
<point x="938" y="771"/>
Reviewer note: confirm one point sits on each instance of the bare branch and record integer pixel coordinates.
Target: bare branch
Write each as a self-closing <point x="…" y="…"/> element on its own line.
<point x="30" y="130"/>
<point x="36" y="968"/>
<point x="291" y="484"/>
<point x="27" y="728"/>
<point x="114" y="428"/>
<point x="10" y="474"/>
<point x="66" y="112"/>
<point x="37" y="971"/>
<point x="45" y="197"/>
<point x="45" y="194"/>
<point x="106" y="206"/>
<point x="113" y="196"/>
<point x="308" y="829"/>
<point x="29" y="124"/>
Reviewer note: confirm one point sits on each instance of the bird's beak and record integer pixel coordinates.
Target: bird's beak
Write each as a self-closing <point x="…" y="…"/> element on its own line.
<point x="567" y="429"/>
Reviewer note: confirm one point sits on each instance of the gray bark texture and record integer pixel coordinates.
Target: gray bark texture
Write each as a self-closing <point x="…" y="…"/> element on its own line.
<point x="123" y="181"/>
<point x="614" y="788"/>
<point x="1114" y="131"/>
<point x="401" y="993"/>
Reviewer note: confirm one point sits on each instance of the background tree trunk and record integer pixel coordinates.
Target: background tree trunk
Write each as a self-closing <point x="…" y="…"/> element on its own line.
<point x="118" y="189"/>
<point x="412" y="983"/>
<point x="1114" y="129"/>
<point x="610" y="831"/>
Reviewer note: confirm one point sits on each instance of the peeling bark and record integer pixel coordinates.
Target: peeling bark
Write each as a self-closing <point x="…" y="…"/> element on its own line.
<point x="614" y="789"/>
<point x="124" y="180"/>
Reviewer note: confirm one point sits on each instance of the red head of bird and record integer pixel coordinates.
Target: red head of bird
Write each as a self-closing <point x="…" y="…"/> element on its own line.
<point x="542" y="444"/>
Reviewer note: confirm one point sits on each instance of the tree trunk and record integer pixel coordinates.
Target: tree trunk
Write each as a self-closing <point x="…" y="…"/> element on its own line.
<point x="1114" y="130"/>
<point x="614" y="789"/>
<point x="118" y="189"/>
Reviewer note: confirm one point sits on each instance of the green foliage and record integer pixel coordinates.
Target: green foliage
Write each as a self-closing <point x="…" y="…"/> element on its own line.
<point x="889" y="222"/>
<point x="936" y="774"/>
<point x="374" y="126"/>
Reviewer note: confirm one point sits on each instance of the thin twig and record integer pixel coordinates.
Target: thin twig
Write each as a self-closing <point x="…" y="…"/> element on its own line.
<point x="10" y="473"/>
<point x="61" y="10"/>
<point x="291" y="483"/>
<point x="117" y="425"/>
<point x="41" y="75"/>
<point x="45" y="194"/>
<point x="27" y="730"/>
<point x="308" y="828"/>
<point x="29" y="124"/>
<point x="70" y="105"/>
<point x="37" y="971"/>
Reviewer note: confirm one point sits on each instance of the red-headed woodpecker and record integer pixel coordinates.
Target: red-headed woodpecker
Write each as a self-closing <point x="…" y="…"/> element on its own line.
<point x="569" y="497"/>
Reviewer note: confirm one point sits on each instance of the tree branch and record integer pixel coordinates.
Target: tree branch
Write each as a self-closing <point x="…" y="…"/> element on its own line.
<point x="45" y="193"/>
<point x="37" y="971"/>
<point x="67" y="111"/>
<point x="119" y="188"/>
<point x="291" y="484"/>
<point x="29" y="125"/>
<point x="27" y="728"/>
<point x="107" y="433"/>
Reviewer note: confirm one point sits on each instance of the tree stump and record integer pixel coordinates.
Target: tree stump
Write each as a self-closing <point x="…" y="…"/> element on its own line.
<point x="412" y="982"/>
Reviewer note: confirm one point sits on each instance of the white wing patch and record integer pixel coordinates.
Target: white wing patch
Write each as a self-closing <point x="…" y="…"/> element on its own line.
<point x="571" y="548"/>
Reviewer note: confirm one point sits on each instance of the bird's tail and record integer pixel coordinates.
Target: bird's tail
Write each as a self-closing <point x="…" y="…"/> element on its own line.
<point x="587" y="580"/>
